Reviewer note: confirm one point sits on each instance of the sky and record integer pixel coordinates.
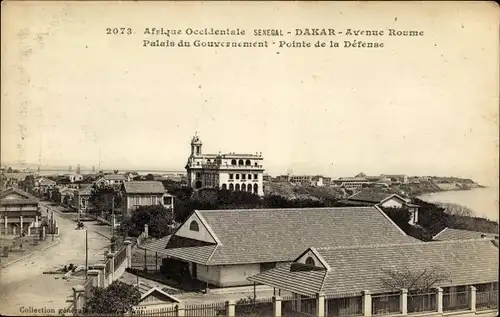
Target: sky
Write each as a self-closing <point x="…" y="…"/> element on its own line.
<point x="421" y="105"/>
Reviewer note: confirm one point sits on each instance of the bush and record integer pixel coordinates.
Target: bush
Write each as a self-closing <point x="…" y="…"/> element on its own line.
<point x="117" y="298"/>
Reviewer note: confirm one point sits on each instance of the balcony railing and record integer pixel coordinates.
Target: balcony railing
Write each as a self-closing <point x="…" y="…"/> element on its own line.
<point x="229" y="166"/>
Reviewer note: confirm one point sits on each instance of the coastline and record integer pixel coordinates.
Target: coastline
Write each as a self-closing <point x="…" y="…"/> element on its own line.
<point x="482" y="201"/>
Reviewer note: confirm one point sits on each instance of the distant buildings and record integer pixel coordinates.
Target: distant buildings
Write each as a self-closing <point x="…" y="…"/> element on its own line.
<point x="308" y="180"/>
<point x="351" y="182"/>
<point x="231" y="171"/>
<point x="112" y="179"/>
<point x="387" y="200"/>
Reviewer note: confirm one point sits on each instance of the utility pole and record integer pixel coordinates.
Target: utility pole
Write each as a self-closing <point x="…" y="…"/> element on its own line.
<point x="113" y="215"/>
<point x="86" y="253"/>
<point x="79" y="205"/>
<point x="53" y="225"/>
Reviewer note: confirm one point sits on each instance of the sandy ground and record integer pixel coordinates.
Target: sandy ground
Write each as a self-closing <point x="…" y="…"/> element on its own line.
<point x="23" y="287"/>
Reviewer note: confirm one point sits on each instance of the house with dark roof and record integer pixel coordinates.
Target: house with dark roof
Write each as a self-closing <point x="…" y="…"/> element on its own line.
<point x="19" y="212"/>
<point x="224" y="247"/>
<point x="145" y="193"/>
<point x="352" y="279"/>
<point x="384" y="199"/>
<point x="457" y="234"/>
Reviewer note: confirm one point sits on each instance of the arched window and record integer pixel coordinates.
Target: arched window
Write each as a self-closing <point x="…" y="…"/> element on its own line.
<point x="255" y="188"/>
<point x="224" y="186"/>
<point x="237" y="187"/>
<point x="310" y="261"/>
<point x="233" y="162"/>
<point x="193" y="226"/>
<point x="248" y="162"/>
<point x="249" y="176"/>
<point x="240" y="162"/>
<point x="198" y="184"/>
<point x="231" y="187"/>
<point x="243" y="187"/>
<point x="249" y="186"/>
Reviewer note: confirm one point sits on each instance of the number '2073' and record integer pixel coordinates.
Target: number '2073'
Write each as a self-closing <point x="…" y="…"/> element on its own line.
<point x="114" y="31"/>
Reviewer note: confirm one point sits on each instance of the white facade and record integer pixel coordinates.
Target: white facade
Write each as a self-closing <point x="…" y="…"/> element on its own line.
<point x="239" y="172"/>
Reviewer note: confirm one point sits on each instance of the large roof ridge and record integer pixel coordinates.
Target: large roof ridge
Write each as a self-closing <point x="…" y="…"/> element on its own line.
<point x="387" y="245"/>
<point x="286" y="209"/>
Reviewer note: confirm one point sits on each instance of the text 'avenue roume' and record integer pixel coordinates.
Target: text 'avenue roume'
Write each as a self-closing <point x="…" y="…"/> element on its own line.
<point x="280" y="32"/>
<point x="273" y="37"/>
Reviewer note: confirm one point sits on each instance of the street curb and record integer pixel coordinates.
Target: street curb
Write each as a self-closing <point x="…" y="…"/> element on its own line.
<point x="56" y="242"/>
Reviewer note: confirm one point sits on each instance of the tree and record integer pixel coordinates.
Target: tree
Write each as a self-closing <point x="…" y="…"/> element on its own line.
<point x="416" y="281"/>
<point x="150" y="177"/>
<point x="117" y="298"/>
<point x="102" y="199"/>
<point x="456" y="210"/>
<point x="401" y="216"/>
<point x="29" y="183"/>
<point x="159" y="220"/>
<point x="9" y="169"/>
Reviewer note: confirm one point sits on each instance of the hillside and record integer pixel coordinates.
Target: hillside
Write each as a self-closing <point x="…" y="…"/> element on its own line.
<point x="294" y="191"/>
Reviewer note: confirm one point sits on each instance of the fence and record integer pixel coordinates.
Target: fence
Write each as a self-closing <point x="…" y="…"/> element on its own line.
<point x="340" y="305"/>
<point x="348" y="305"/>
<point x="158" y="312"/>
<point x="205" y="310"/>
<point x="102" y="274"/>
<point x="108" y="268"/>
<point x="420" y="303"/>
<point x="298" y="305"/>
<point x="120" y="257"/>
<point x="385" y="304"/>
<point x="455" y="301"/>
<point x="487" y="300"/>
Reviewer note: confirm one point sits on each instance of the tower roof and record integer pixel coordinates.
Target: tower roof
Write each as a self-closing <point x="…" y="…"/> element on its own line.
<point x="196" y="139"/>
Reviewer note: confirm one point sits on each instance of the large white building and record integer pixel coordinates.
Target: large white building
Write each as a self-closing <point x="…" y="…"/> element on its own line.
<point x="232" y="171"/>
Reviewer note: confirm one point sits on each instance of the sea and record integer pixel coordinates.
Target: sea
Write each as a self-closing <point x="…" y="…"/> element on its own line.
<point x="140" y="172"/>
<point x="482" y="201"/>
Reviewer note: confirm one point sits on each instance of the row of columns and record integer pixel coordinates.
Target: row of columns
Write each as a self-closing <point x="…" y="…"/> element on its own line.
<point x="366" y="303"/>
<point x="21" y="224"/>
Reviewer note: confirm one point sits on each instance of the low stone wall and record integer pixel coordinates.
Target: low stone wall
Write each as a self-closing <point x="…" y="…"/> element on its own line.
<point x="103" y="274"/>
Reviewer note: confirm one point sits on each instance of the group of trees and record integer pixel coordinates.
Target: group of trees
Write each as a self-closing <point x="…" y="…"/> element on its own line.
<point x="160" y="221"/>
<point x="103" y="199"/>
<point x="186" y="200"/>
